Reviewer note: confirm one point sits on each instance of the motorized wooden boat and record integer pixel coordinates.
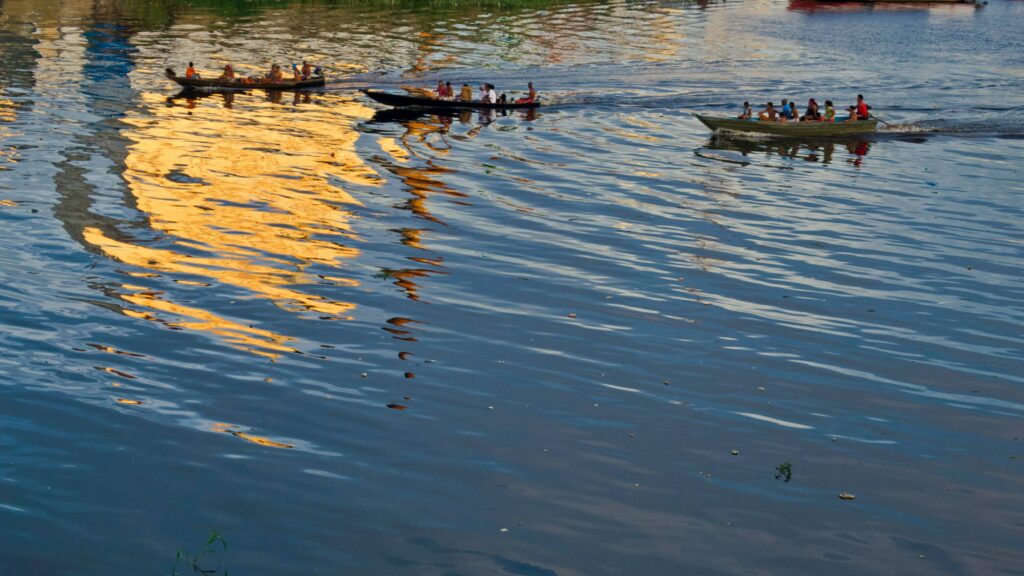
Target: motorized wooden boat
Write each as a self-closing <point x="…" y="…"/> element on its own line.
<point x="793" y="128"/>
<point x="405" y="100"/>
<point x="239" y="84"/>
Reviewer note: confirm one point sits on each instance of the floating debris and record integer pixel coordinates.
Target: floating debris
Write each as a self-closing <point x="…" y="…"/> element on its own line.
<point x="129" y="401"/>
<point x="8" y="203"/>
<point x="397" y="407"/>
<point x="572" y="315"/>
<point x="846" y="496"/>
<point x="503" y="530"/>
<point x="784" y="472"/>
<point x="735" y="452"/>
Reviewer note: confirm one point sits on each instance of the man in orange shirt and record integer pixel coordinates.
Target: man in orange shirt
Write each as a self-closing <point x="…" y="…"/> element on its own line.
<point x="190" y="72"/>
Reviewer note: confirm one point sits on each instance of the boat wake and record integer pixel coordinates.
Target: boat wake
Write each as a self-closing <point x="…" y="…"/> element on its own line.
<point x="981" y="124"/>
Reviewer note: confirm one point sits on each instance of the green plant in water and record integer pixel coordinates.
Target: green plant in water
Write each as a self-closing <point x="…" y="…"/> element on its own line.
<point x="784" y="471"/>
<point x="214" y="548"/>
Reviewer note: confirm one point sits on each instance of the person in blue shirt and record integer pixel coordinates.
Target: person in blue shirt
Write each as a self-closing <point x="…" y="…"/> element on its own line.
<point x="787" y="111"/>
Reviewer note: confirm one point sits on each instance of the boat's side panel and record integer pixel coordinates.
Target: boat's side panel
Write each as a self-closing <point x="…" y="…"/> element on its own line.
<point x="216" y="84"/>
<point x="790" y="128"/>
<point x="401" y="100"/>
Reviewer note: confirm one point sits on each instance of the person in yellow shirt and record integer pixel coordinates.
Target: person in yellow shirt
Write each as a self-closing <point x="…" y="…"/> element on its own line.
<point x="466" y="95"/>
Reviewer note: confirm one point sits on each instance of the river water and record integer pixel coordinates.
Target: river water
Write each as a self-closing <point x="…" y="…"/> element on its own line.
<point x="582" y="341"/>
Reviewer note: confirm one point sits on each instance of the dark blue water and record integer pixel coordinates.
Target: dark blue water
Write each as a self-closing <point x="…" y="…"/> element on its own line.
<point x="576" y="341"/>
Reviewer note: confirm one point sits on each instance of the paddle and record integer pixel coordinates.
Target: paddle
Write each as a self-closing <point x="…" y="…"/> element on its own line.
<point x="879" y="119"/>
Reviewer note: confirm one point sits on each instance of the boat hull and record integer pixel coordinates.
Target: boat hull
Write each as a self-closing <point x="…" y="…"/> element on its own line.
<point x="217" y="84"/>
<point x="403" y="101"/>
<point x="784" y="129"/>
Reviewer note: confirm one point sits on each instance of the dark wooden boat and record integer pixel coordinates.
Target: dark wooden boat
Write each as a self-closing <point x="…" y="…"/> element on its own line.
<point x="406" y="101"/>
<point x="805" y="129"/>
<point x="237" y="84"/>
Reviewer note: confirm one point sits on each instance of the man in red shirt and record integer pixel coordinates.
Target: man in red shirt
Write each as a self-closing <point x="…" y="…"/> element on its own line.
<point x="862" y="108"/>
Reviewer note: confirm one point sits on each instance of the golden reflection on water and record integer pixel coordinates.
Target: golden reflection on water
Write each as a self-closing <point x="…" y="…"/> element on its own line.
<point x="261" y="440"/>
<point x="421" y="182"/>
<point x="248" y="196"/>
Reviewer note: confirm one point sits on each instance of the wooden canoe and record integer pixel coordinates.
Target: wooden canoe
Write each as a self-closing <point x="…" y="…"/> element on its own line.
<point x="237" y="84"/>
<point x="406" y="101"/>
<point x="791" y="128"/>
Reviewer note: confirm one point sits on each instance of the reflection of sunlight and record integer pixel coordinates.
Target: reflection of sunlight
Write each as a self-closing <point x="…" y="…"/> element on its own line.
<point x="262" y="441"/>
<point x="421" y="182"/>
<point x="249" y="196"/>
<point x="7" y="115"/>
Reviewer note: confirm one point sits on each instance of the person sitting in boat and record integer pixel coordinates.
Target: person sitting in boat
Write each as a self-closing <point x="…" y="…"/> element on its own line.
<point x="863" y="110"/>
<point x="852" y="117"/>
<point x="307" y="70"/>
<point x="191" y="73"/>
<point x="830" y="112"/>
<point x="769" y="113"/>
<point x="748" y="113"/>
<point x="229" y="73"/>
<point x="812" y="114"/>
<point x="794" y="113"/>
<point x="466" y="94"/>
<point x="276" y="74"/>
<point x="449" y="90"/>
<point x="531" y="97"/>
<point x="488" y="95"/>
<point x="503" y="99"/>
<point x="442" y="92"/>
<point x="785" y="110"/>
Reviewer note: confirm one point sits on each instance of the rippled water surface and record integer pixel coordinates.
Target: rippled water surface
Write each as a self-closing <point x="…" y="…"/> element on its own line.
<point x="577" y="341"/>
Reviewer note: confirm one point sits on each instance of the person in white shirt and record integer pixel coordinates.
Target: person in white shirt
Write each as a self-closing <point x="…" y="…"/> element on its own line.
<point x="488" y="95"/>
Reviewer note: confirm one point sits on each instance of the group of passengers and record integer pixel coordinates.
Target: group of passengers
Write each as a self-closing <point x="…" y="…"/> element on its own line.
<point x="274" y="76"/>
<point x="487" y="95"/>
<point x="813" y="113"/>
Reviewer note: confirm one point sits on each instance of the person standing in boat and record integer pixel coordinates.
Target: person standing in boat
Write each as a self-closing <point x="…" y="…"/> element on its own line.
<point x="190" y="72"/>
<point x="296" y="73"/>
<point x="748" y="113"/>
<point x="769" y="113"/>
<point x="307" y="70"/>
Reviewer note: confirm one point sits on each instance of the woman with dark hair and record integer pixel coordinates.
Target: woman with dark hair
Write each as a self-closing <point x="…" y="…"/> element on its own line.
<point x="812" y="114"/>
